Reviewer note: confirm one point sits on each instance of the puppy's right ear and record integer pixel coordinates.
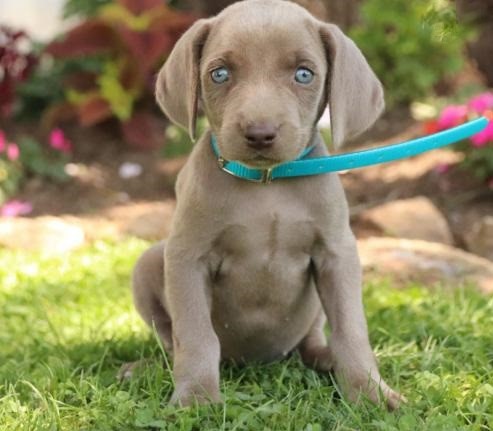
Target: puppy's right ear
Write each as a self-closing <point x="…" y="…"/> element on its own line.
<point x="178" y="82"/>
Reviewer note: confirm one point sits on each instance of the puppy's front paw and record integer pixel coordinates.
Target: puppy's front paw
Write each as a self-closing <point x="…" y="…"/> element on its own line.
<point x="187" y="394"/>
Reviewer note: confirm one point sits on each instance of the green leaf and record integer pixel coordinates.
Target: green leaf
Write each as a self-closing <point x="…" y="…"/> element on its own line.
<point x="120" y="99"/>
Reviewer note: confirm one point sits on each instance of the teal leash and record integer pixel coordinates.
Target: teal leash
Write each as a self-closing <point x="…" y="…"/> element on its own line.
<point x="321" y="165"/>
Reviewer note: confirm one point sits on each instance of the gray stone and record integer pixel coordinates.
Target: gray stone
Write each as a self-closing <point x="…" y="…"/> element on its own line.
<point x="479" y="239"/>
<point x="150" y="221"/>
<point x="425" y="262"/>
<point x="416" y="218"/>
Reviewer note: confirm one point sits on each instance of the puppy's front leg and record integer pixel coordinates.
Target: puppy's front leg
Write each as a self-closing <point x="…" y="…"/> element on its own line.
<point x="338" y="280"/>
<point x="196" y="349"/>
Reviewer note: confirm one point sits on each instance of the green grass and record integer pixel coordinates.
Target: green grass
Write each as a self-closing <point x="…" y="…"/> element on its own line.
<point x="67" y="324"/>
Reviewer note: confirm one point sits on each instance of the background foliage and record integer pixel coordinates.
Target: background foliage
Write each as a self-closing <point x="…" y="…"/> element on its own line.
<point x="411" y="45"/>
<point x="102" y="70"/>
<point x="122" y="44"/>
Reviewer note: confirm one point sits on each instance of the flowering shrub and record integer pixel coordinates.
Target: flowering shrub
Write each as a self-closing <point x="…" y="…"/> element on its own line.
<point x="16" y="64"/>
<point x="20" y="160"/>
<point x="478" y="150"/>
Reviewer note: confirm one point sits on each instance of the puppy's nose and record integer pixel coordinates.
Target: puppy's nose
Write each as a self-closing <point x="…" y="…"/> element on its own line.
<point x="260" y="135"/>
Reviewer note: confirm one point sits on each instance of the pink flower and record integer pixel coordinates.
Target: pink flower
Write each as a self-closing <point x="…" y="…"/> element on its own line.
<point x="481" y="102"/>
<point x="452" y="116"/>
<point x="13" y="152"/>
<point x="3" y="142"/>
<point x="482" y="138"/>
<point x="15" y="208"/>
<point x="59" y="142"/>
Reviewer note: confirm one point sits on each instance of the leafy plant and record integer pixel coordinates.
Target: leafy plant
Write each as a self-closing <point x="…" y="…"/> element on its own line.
<point x="478" y="150"/>
<point x="411" y="45"/>
<point x="46" y="86"/>
<point x="16" y="64"/>
<point x="127" y="41"/>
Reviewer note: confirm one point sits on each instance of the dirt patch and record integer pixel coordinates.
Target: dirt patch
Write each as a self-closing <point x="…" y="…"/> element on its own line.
<point x="97" y="184"/>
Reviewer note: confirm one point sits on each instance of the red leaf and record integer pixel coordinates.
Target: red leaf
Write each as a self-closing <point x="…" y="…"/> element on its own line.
<point x="146" y="47"/>
<point x="137" y="7"/>
<point x="95" y="110"/>
<point x="131" y="77"/>
<point x="143" y="131"/>
<point x="82" y="82"/>
<point x="89" y="38"/>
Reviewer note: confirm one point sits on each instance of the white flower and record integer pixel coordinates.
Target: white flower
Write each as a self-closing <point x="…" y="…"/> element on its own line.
<point x="129" y="170"/>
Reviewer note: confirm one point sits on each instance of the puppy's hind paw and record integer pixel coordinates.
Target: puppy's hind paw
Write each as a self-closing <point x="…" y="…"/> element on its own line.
<point x="128" y="369"/>
<point x="317" y="357"/>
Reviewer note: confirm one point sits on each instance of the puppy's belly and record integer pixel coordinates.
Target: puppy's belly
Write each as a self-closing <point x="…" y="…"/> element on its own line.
<point x="263" y="308"/>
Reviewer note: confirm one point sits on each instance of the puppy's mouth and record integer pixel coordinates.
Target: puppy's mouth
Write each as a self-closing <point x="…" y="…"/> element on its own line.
<point x="260" y="161"/>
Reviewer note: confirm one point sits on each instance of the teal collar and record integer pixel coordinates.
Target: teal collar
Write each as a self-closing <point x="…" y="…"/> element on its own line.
<point x="321" y="165"/>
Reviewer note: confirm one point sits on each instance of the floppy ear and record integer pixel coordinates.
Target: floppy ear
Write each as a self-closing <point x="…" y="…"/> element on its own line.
<point x="355" y="95"/>
<point x="177" y="88"/>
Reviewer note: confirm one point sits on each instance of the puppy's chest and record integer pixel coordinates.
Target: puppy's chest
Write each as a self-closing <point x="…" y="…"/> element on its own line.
<point x="267" y="245"/>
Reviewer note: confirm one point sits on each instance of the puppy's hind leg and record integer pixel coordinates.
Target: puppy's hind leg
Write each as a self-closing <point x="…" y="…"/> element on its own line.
<point x="313" y="348"/>
<point x="148" y="293"/>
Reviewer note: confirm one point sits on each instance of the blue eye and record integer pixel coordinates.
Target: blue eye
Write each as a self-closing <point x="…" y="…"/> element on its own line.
<point x="303" y="75"/>
<point x="220" y="75"/>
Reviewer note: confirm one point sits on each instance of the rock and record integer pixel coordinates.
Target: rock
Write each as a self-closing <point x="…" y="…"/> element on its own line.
<point x="415" y="218"/>
<point x="146" y="220"/>
<point x="96" y="227"/>
<point x="425" y="262"/>
<point x="47" y="234"/>
<point x="479" y="239"/>
<point x="150" y="221"/>
<point x="472" y="225"/>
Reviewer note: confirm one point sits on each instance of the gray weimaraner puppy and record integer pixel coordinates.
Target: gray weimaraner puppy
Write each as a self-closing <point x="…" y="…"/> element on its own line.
<point x="252" y="271"/>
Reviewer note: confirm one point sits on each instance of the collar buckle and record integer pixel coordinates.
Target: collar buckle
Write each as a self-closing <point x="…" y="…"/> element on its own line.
<point x="265" y="178"/>
<point x="222" y="163"/>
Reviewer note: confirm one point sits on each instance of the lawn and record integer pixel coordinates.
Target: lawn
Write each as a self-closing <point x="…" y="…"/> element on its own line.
<point x="67" y="324"/>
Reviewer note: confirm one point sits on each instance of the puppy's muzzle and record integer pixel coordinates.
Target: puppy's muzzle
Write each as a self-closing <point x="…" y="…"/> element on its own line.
<point x="261" y="136"/>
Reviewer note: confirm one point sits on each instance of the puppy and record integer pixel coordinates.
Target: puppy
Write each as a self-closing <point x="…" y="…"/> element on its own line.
<point x="251" y="271"/>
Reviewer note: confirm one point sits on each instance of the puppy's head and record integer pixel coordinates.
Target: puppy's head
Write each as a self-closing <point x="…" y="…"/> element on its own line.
<point x="264" y="71"/>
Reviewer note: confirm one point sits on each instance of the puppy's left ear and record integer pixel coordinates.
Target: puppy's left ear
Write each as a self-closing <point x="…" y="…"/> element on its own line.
<point x="354" y="93"/>
<point x="177" y="87"/>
